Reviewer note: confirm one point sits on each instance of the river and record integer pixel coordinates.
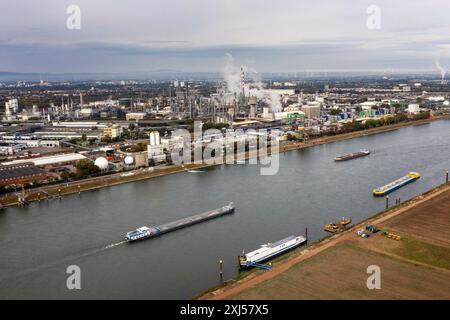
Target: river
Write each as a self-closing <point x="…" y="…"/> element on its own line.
<point x="39" y="242"/>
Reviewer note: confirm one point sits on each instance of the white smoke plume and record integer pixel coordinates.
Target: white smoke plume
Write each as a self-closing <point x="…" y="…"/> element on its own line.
<point x="232" y="78"/>
<point x="440" y="68"/>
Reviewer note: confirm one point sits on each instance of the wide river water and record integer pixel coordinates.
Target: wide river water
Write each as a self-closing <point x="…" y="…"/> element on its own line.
<point x="39" y="242"/>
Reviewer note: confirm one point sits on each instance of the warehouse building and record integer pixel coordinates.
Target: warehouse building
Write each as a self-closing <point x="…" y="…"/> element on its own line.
<point x="19" y="174"/>
<point x="60" y="159"/>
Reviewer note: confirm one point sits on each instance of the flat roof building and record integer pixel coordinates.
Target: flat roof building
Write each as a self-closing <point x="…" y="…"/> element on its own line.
<point x="49" y="160"/>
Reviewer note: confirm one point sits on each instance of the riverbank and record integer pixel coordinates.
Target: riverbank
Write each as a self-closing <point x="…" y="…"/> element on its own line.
<point x="421" y="259"/>
<point x="59" y="190"/>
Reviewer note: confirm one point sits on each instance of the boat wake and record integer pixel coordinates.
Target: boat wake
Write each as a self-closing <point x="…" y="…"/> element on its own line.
<point x="62" y="261"/>
<point x="112" y="245"/>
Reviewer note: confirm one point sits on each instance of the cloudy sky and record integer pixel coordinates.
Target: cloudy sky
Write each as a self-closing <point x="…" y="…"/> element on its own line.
<point x="195" y="35"/>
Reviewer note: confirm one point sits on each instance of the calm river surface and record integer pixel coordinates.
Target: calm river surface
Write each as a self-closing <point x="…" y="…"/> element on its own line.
<point x="38" y="243"/>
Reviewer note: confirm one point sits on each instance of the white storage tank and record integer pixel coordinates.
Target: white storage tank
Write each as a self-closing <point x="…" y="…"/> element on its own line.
<point x="152" y="138"/>
<point x="101" y="163"/>
<point x="129" y="159"/>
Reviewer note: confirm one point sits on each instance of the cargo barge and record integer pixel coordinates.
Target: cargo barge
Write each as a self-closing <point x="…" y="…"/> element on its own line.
<point x="270" y="250"/>
<point x="353" y="155"/>
<point x="154" y="231"/>
<point x="391" y="187"/>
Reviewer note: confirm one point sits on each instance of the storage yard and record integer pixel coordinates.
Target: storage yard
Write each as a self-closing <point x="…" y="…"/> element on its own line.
<point x="412" y="249"/>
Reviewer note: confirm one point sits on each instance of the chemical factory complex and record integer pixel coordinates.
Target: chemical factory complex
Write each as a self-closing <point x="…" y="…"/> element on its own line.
<point x="59" y="132"/>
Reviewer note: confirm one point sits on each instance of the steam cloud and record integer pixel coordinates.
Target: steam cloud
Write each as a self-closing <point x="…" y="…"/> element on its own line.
<point x="232" y="78"/>
<point x="441" y="70"/>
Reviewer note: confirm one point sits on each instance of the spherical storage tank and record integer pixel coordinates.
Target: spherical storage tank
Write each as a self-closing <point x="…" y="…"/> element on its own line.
<point x="101" y="163"/>
<point x="129" y="160"/>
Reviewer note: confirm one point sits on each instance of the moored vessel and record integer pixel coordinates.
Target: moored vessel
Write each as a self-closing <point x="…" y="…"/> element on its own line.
<point x="333" y="227"/>
<point x="270" y="250"/>
<point x="345" y="221"/>
<point x="390" y="187"/>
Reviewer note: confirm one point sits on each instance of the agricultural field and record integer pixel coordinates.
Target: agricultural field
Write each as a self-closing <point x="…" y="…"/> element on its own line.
<point x="415" y="266"/>
<point x="429" y="221"/>
<point x="340" y="273"/>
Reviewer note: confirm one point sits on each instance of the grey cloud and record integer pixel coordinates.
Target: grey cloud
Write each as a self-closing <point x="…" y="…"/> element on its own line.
<point x="194" y="35"/>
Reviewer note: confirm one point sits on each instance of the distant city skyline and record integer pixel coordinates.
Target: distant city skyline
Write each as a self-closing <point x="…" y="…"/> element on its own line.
<point x="195" y="36"/>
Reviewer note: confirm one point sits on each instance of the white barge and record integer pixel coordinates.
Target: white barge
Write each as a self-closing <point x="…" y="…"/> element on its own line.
<point x="270" y="250"/>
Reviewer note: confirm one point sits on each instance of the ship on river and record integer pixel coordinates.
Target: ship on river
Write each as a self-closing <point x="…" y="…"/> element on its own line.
<point x="154" y="231"/>
<point x="390" y="187"/>
<point x="354" y="155"/>
<point x="270" y="250"/>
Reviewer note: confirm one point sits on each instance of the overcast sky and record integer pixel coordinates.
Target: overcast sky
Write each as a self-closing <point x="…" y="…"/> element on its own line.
<point x="195" y="35"/>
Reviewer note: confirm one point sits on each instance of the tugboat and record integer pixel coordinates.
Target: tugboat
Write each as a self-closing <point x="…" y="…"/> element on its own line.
<point x="344" y="221"/>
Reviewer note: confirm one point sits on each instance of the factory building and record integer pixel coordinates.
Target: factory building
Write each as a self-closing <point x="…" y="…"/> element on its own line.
<point x="55" y="160"/>
<point x="155" y="149"/>
<point x="311" y="111"/>
<point x="413" y="108"/>
<point x="289" y="115"/>
<point x="11" y="148"/>
<point x="112" y="131"/>
<point x="11" y="109"/>
<point x="16" y="142"/>
<point x="21" y="173"/>
<point x="135" y="116"/>
<point x="140" y="159"/>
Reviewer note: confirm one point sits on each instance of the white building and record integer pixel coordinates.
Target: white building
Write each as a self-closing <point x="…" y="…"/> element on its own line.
<point x="135" y="116"/>
<point x="311" y="110"/>
<point x="155" y="149"/>
<point x="11" y="109"/>
<point x="413" y="108"/>
<point x="113" y="131"/>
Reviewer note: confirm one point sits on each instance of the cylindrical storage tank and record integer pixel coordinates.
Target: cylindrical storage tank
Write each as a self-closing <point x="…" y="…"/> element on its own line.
<point x="152" y="138"/>
<point x="101" y="163"/>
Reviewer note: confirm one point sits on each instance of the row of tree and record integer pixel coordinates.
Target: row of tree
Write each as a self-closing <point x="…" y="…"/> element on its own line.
<point x="374" y="123"/>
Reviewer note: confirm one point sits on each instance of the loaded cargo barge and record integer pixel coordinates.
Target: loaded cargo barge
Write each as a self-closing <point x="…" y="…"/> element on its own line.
<point x="391" y="187"/>
<point x="269" y="250"/>
<point x="354" y="155"/>
<point x="154" y="231"/>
